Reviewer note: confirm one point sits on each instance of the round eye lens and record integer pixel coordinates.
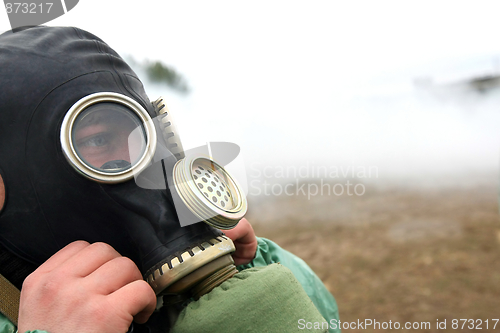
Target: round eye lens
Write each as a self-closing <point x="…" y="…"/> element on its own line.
<point x="109" y="137"/>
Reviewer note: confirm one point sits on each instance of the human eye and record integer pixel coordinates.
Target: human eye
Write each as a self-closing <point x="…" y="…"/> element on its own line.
<point x="98" y="140"/>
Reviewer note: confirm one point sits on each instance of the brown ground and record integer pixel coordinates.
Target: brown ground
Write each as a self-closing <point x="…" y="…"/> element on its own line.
<point x="400" y="255"/>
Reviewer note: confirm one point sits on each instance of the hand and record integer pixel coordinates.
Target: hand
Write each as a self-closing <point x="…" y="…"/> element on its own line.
<point x="245" y="241"/>
<point x="87" y="288"/>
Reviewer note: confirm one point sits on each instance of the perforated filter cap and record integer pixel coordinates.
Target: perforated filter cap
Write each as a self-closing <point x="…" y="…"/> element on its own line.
<point x="209" y="191"/>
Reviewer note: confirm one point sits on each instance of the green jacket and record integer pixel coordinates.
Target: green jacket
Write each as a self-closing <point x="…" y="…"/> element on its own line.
<point x="269" y="253"/>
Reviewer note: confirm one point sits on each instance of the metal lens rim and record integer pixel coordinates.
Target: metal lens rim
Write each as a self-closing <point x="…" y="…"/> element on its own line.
<point x="85" y="169"/>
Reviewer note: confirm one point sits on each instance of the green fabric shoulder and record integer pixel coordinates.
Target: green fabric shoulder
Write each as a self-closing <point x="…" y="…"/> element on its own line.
<point x="269" y="252"/>
<point x="259" y="299"/>
<point x="6" y="326"/>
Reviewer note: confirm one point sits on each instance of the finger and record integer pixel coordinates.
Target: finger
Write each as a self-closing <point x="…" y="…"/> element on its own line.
<point x="113" y="275"/>
<point x="244" y="256"/>
<point x="245" y="242"/>
<point x="236" y="232"/>
<point x="62" y="256"/>
<point x="137" y="299"/>
<point x="245" y="251"/>
<point x="89" y="259"/>
<point x="242" y="233"/>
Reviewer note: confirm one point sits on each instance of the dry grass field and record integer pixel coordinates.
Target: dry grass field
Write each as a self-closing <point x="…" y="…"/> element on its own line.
<point x="400" y="255"/>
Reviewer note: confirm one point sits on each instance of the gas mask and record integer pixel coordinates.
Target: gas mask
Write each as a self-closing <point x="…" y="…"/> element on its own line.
<point x="109" y="138"/>
<point x="85" y="155"/>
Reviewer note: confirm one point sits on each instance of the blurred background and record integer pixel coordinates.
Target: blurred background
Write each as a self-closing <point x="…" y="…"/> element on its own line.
<point x="369" y="133"/>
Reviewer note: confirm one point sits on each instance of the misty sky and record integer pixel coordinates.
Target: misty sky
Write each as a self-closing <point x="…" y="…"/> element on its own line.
<point x="321" y="82"/>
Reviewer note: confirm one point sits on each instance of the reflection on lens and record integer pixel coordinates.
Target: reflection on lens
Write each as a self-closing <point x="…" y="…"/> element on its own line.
<point x="109" y="137"/>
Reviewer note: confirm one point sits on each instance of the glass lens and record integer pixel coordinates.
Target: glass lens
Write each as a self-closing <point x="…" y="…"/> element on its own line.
<point x="109" y="137"/>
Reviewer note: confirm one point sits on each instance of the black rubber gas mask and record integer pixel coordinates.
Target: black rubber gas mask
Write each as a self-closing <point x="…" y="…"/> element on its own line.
<point x="109" y="138"/>
<point x="85" y="156"/>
